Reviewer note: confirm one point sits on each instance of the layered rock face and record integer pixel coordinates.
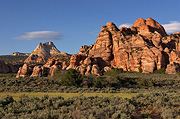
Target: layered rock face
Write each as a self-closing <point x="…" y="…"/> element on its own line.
<point x="7" y="68"/>
<point x="54" y="63"/>
<point x="42" y="52"/>
<point x="86" y="65"/>
<point x="24" y="71"/>
<point x="148" y="26"/>
<point x="144" y="46"/>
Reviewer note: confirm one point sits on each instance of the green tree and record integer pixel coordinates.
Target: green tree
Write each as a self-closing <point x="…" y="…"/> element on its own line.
<point x="71" y="77"/>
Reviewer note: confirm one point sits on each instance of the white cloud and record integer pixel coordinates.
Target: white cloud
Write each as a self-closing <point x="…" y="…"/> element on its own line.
<point x="94" y="32"/>
<point x="172" y="27"/>
<point x="128" y="25"/>
<point x="40" y="35"/>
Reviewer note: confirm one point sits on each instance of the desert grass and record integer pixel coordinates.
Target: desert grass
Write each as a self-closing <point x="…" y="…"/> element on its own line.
<point x="68" y="95"/>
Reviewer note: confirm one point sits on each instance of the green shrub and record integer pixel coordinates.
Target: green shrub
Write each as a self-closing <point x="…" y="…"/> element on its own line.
<point x="114" y="71"/>
<point x="140" y="70"/>
<point x="100" y="82"/>
<point x="71" y="77"/>
<point x="178" y="73"/>
<point x="145" y="82"/>
<point x="5" y="100"/>
<point x="160" y="71"/>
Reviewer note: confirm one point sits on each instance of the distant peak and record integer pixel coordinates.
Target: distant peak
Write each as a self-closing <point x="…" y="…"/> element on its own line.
<point x="42" y="52"/>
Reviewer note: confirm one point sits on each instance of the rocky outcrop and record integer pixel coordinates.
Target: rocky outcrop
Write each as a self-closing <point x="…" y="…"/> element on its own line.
<point x="7" y="67"/>
<point x="145" y="27"/>
<point x="24" y="71"/>
<point x="74" y="61"/>
<point x="130" y="48"/>
<point x="20" y="54"/>
<point x="54" y="63"/>
<point x="42" y="52"/>
<point x="86" y="65"/>
<point x="37" y="71"/>
<point x="173" y="68"/>
<point x="144" y="46"/>
<point x="106" y="69"/>
<point x="102" y="48"/>
<point x="95" y="70"/>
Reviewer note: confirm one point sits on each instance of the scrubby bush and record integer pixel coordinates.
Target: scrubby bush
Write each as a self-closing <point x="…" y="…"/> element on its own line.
<point x="140" y="70"/>
<point x="71" y="77"/>
<point x="75" y="107"/>
<point x="119" y="82"/>
<point x="160" y="71"/>
<point x="145" y="82"/>
<point x="114" y="71"/>
<point x="5" y="100"/>
<point x="100" y="82"/>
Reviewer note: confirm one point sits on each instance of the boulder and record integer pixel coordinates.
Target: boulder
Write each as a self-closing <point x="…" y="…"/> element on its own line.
<point x="37" y="71"/>
<point x="173" y="68"/>
<point x="95" y="70"/>
<point x="74" y="61"/>
<point x="82" y="69"/>
<point x="106" y="69"/>
<point x="87" y="61"/>
<point x="56" y="67"/>
<point x="88" y="70"/>
<point x="24" y="71"/>
<point x="64" y="65"/>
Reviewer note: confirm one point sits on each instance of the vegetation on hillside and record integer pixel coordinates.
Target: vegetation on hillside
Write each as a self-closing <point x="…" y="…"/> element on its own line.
<point x="10" y="58"/>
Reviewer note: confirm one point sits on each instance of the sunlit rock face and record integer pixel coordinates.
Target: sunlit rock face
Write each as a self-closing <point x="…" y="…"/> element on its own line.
<point x="144" y="46"/>
<point x="42" y="52"/>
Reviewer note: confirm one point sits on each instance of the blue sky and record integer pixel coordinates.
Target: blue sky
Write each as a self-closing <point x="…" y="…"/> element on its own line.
<point x="73" y="23"/>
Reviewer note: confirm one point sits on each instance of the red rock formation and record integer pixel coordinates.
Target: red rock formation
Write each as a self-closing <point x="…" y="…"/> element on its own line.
<point x="24" y="71"/>
<point x="173" y="68"/>
<point x="145" y="45"/>
<point x="42" y="52"/>
<point x="54" y="63"/>
<point x="37" y="71"/>
<point x="148" y="26"/>
<point x="129" y="48"/>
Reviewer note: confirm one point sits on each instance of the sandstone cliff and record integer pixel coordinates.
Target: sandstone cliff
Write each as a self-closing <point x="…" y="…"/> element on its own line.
<point x="42" y="52"/>
<point x="144" y="46"/>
